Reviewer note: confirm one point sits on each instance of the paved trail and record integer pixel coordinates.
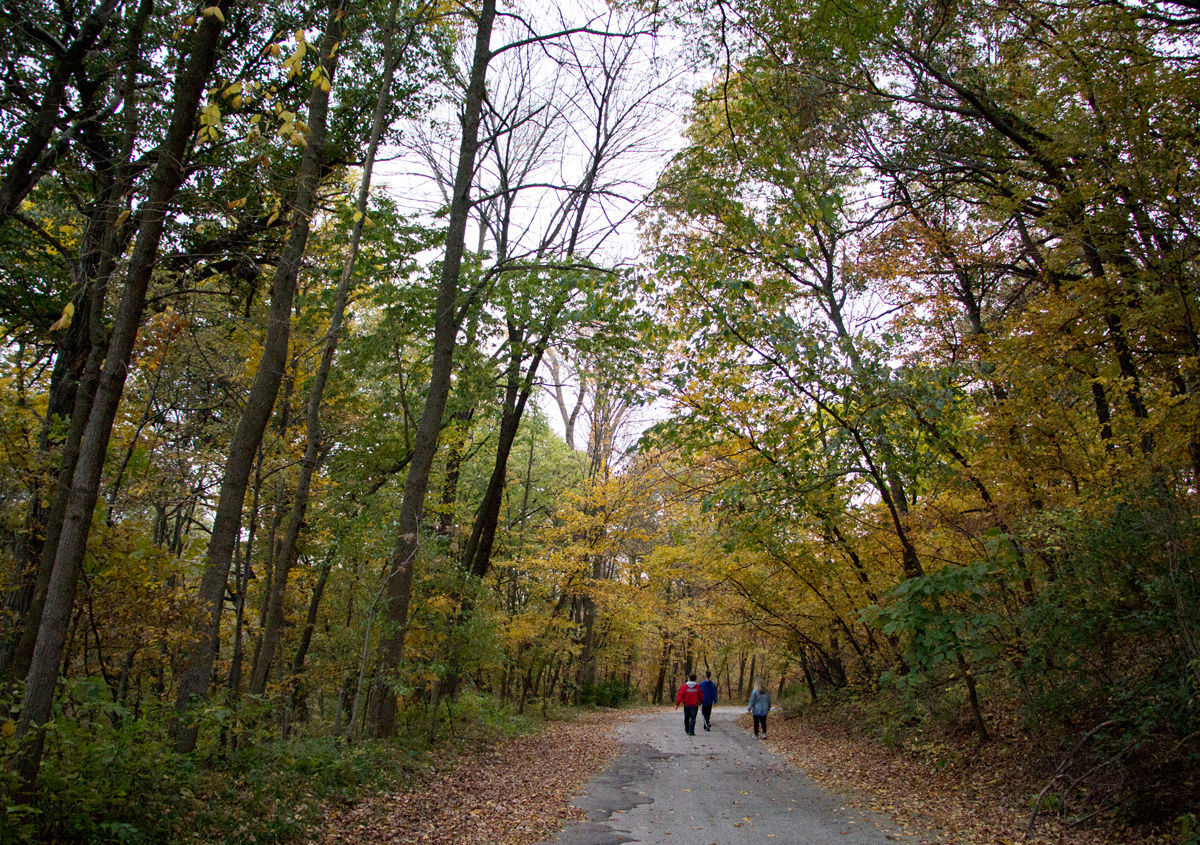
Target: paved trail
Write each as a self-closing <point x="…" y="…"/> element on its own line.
<point x="720" y="786"/>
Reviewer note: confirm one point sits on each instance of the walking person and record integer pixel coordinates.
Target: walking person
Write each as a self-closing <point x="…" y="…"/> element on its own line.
<point x="709" y="690"/>
<point x="689" y="696"/>
<point x="760" y="706"/>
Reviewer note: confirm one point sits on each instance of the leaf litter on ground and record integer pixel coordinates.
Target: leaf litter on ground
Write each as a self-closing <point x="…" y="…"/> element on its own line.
<point x="977" y="798"/>
<point x="515" y="792"/>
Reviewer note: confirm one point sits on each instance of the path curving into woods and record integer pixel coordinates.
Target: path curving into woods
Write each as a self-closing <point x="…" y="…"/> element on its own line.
<point x="720" y="786"/>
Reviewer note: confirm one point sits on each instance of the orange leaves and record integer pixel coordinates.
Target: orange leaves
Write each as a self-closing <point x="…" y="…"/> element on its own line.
<point x="64" y="321"/>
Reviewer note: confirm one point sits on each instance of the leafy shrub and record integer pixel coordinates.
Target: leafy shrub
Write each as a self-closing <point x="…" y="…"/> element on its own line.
<point x="607" y="693"/>
<point x="109" y="776"/>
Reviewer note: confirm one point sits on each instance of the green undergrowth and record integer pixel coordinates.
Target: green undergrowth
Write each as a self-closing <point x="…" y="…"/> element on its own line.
<point x="885" y="716"/>
<point x="111" y="777"/>
<point x="608" y="694"/>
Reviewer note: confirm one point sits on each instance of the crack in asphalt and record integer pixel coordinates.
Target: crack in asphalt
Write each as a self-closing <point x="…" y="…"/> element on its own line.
<point x="719" y="787"/>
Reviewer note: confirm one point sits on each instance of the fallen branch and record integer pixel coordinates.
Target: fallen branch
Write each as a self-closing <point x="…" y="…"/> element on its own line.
<point x="1062" y="769"/>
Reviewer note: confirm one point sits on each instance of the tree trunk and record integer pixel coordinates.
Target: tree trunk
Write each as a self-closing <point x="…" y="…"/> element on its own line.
<point x="77" y="366"/>
<point x="478" y="554"/>
<point x="308" y="465"/>
<point x="68" y="562"/>
<point x="585" y="677"/>
<point x="300" y="691"/>
<point x="972" y="696"/>
<point x="31" y="622"/>
<point x="661" y="680"/>
<point x="242" y="577"/>
<point x="808" y="681"/>
<point x="194" y="681"/>
<point x="445" y="523"/>
<point x="382" y="715"/>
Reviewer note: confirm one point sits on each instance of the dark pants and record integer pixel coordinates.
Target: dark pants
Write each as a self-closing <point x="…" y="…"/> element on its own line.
<point x="760" y="720"/>
<point x="706" y="711"/>
<point x="689" y="718"/>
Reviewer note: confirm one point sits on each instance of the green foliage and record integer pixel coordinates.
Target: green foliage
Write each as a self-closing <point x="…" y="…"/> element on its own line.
<point x="914" y="268"/>
<point x="479" y="718"/>
<point x="1122" y="577"/>
<point x="110" y="775"/>
<point x="938" y="615"/>
<point x="103" y="763"/>
<point x="607" y="693"/>
<point x="922" y="298"/>
<point x="1187" y="829"/>
<point x="275" y="792"/>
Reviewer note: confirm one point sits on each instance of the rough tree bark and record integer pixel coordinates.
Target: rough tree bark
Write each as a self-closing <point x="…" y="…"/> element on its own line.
<point x="79" y="357"/>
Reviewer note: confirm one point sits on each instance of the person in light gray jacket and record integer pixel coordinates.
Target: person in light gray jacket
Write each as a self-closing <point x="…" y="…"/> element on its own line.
<point x="760" y="706"/>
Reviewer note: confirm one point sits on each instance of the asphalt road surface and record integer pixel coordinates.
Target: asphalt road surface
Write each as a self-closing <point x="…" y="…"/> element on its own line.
<point x="720" y="786"/>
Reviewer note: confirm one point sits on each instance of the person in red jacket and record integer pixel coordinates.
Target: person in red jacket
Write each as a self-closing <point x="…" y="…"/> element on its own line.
<point x="690" y="697"/>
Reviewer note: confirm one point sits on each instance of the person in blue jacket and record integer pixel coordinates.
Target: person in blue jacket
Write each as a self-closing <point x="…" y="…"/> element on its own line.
<point x="709" y="689"/>
<point x="760" y="706"/>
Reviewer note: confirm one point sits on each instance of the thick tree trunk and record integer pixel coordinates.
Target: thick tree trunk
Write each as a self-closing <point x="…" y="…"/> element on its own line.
<point x="525" y="684"/>
<point x="60" y="595"/>
<point x="194" y="681"/>
<point x="661" y="680"/>
<point x="77" y="366"/>
<point x="585" y="676"/>
<point x="382" y="712"/>
<point x="35" y="604"/>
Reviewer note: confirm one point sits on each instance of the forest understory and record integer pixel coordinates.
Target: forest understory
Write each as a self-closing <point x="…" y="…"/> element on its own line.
<point x="940" y="785"/>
